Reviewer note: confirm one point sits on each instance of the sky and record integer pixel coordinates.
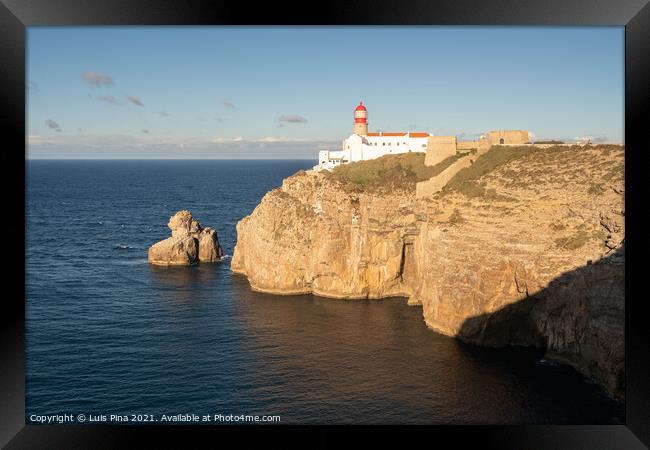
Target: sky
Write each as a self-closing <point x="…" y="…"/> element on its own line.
<point x="283" y="92"/>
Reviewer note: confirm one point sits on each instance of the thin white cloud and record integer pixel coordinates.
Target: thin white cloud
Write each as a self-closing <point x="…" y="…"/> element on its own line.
<point x="107" y="99"/>
<point x="97" y="79"/>
<point x="593" y="138"/>
<point x="273" y="139"/>
<point x="135" y="100"/>
<point x="34" y="139"/>
<point x="292" y="118"/>
<point x="124" y="146"/>
<point x="142" y="139"/>
<point x="281" y="139"/>
<point x="222" y="140"/>
<point x="52" y="124"/>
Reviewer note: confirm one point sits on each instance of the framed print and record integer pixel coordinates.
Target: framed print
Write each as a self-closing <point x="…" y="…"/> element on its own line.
<point x="373" y="214"/>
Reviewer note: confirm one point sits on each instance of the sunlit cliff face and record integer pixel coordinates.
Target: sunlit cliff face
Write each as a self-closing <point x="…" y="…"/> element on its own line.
<point x="499" y="245"/>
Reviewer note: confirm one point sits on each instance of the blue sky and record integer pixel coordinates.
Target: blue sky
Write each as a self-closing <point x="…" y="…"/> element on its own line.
<point x="279" y="92"/>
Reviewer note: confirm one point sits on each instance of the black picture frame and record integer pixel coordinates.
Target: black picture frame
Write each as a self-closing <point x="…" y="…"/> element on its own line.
<point x="16" y="15"/>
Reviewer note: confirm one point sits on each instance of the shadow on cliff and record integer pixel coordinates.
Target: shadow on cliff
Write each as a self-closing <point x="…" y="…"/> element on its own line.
<point x="579" y="319"/>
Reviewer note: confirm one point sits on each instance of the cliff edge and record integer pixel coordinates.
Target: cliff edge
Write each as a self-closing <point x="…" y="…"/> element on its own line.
<point x="524" y="246"/>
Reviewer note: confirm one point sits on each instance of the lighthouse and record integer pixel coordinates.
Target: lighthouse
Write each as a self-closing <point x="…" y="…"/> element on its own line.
<point x="361" y="120"/>
<point x="362" y="145"/>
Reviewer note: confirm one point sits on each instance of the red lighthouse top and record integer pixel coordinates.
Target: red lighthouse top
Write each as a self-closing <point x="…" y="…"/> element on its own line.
<point x="360" y="114"/>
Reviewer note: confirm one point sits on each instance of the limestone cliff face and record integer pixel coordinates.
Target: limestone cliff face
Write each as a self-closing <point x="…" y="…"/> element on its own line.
<point x="308" y="237"/>
<point x="530" y="252"/>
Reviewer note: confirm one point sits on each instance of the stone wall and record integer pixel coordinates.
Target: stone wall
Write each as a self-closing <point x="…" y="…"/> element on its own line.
<point x="508" y="136"/>
<point x="439" y="148"/>
<point x="467" y="145"/>
<point x="435" y="184"/>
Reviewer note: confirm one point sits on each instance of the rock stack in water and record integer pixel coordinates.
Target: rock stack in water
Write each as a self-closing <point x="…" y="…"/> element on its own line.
<point x="189" y="243"/>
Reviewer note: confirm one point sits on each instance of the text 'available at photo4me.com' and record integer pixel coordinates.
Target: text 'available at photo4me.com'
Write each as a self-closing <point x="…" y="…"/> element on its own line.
<point x="52" y="419"/>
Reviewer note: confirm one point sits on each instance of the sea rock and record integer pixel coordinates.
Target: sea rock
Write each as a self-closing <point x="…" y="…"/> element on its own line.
<point x="209" y="248"/>
<point x="531" y="252"/>
<point x="182" y="224"/>
<point x="174" y="251"/>
<point x="189" y="243"/>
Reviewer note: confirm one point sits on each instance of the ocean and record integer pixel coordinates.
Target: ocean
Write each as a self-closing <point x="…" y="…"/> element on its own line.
<point x="106" y="333"/>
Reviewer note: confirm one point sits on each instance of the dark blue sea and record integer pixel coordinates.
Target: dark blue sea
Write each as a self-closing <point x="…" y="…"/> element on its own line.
<point x="109" y="334"/>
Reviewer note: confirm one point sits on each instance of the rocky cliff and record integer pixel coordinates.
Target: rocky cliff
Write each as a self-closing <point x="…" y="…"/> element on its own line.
<point x="525" y="246"/>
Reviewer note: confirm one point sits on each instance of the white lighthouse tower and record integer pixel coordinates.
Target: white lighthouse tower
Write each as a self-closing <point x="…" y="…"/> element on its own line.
<point x="361" y="120"/>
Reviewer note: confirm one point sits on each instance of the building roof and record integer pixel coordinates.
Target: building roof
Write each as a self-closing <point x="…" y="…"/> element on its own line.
<point x="361" y="107"/>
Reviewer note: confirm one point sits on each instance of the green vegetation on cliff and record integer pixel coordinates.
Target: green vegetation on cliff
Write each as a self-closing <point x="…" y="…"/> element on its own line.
<point x="387" y="173"/>
<point x="527" y="167"/>
<point x="533" y="164"/>
<point x="466" y="181"/>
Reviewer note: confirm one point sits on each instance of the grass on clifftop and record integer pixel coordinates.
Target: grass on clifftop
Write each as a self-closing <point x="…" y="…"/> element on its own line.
<point x="466" y="182"/>
<point x="388" y="173"/>
<point x="539" y="162"/>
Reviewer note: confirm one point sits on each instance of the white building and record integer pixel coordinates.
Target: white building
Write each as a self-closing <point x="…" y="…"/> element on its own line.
<point x="363" y="145"/>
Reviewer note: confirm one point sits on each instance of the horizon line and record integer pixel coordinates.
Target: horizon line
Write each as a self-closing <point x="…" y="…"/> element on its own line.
<point x="171" y="159"/>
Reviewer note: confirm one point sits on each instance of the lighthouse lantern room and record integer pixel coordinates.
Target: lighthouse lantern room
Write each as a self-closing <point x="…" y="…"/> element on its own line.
<point x="361" y="120"/>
